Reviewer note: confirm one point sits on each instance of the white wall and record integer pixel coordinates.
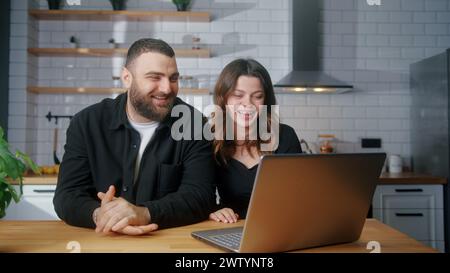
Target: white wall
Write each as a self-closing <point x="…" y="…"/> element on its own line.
<point x="369" y="47"/>
<point x="372" y="48"/>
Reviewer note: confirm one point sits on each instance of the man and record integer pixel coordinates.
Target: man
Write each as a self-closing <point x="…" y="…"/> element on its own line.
<point x="122" y="171"/>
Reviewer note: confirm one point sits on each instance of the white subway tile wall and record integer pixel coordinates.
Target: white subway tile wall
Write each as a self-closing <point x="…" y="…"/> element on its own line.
<point x="370" y="47"/>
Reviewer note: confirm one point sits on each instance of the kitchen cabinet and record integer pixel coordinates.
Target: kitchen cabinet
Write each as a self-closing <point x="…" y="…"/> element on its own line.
<point x="416" y="209"/>
<point x="36" y="204"/>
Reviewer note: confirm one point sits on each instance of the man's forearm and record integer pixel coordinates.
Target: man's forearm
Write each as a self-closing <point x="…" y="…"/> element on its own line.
<point x="75" y="208"/>
<point x="180" y="208"/>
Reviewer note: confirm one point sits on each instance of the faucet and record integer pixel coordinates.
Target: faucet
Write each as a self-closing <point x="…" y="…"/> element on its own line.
<point x="308" y="150"/>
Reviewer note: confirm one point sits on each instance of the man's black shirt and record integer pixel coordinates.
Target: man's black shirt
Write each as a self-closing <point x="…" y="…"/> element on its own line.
<point x="175" y="180"/>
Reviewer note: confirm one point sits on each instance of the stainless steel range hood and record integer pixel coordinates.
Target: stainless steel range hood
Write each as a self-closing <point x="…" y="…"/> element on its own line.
<point x="307" y="76"/>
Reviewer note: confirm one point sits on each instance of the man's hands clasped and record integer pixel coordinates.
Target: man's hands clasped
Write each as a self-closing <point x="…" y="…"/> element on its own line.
<point x="118" y="215"/>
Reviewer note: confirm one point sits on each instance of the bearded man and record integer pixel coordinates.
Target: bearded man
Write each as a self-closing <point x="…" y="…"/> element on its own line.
<point x="122" y="170"/>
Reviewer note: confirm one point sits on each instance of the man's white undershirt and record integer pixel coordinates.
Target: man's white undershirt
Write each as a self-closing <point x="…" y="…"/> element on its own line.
<point x="146" y="131"/>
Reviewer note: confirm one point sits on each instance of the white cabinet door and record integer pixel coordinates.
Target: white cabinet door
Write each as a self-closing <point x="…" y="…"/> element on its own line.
<point x="421" y="224"/>
<point x="416" y="210"/>
<point x="408" y="196"/>
<point x="36" y="204"/>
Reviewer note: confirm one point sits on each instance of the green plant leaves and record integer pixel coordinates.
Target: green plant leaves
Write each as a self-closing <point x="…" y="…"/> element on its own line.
<point x="14" y="194"/>
<point x="185" y="2"/>
<point x="28" y="162"/>
<point x="5" y="197"/>
<point x="11" y="167"/>
<point x="8" y="162"/>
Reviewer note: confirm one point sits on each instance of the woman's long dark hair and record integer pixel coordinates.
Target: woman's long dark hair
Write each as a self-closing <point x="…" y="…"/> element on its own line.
<point x="224" y="149"/>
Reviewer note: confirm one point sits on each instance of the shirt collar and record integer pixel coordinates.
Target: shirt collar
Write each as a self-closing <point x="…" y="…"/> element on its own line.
<point x="119" y="116"/>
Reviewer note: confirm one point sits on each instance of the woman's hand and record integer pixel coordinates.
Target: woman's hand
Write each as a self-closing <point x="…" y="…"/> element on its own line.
<point x="225" y="215"/>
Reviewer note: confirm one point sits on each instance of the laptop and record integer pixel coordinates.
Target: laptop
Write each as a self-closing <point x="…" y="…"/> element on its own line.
<point x="303" y="201"/>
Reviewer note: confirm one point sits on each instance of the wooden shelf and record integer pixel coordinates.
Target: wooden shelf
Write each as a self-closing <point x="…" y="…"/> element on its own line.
<point x="99" y="90"/>
<point x="193" y="16"/>
<point x="110" y="52"/>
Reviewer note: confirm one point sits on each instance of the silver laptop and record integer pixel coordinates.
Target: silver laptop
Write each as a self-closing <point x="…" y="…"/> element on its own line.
<point x="302" y="201"/>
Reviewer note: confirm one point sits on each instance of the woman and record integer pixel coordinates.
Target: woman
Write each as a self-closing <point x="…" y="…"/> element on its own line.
<point x="244" y="87"/>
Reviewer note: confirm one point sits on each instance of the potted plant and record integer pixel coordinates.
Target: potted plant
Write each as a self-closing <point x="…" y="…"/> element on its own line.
<point x="74" y="41"/>
<point x="182" y="5"/>
<point x="54" y="4"/>
<point x="12" y="167"/>
<point x="113" y="43"/>
<point x="118" y="4"/>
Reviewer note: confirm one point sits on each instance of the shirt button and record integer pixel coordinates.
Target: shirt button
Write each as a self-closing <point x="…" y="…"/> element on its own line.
<point x="134" y="146"/>
<point x="125" y="189"/>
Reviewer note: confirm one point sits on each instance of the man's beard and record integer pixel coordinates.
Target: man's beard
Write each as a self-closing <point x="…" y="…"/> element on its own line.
<point x="144" y="106"/>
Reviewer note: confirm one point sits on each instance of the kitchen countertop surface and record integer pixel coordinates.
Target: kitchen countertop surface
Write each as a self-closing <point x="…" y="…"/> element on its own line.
<point x="54" y="236"/>
<point x="385" y="179"/>
<point x="39" y="180"/>
<point x="411" y="178"/>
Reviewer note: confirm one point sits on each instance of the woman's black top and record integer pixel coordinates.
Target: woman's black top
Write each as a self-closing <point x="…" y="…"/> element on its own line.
<point x="235" y="180"/>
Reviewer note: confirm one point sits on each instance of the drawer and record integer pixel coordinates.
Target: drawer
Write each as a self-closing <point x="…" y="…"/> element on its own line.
<point x="408" y="196"/>
<point x="36" y="204"/>
<point x="37" y="190"/>
<point x="33" y="208"/>
<point x="421" y="224"/>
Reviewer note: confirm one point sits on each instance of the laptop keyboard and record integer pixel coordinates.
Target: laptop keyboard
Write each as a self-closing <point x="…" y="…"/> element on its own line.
<point x="231" y="240"/>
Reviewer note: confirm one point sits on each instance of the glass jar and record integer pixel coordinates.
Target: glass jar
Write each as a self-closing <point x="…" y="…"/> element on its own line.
<point x="326" y="143"/>
<point x="188" y="82"/>
<point x="116" y="81"/>
<point x="181" y="82"/>
<point x="203" y="82"/>
<point x="195" y="43"/>
<point x="191" y="82"/>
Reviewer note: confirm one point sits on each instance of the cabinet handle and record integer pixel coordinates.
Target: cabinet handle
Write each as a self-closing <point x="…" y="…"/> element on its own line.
<point x="409" y="214"/>
<point x="44" y="191"/>
<point x="408" y="190"/>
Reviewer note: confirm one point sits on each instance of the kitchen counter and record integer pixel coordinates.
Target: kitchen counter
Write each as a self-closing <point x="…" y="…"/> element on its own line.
<point x="411" y="178"/>
<point x="54" y="236"/>
<point x="385" y="178"/>
<point x="39" y="180"/>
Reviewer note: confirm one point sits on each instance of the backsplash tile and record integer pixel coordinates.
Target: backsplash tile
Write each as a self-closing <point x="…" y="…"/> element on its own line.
<point x="370" y="47"/>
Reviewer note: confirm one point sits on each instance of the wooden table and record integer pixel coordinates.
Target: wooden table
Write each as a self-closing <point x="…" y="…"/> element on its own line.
<point x="54" y="236"/>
